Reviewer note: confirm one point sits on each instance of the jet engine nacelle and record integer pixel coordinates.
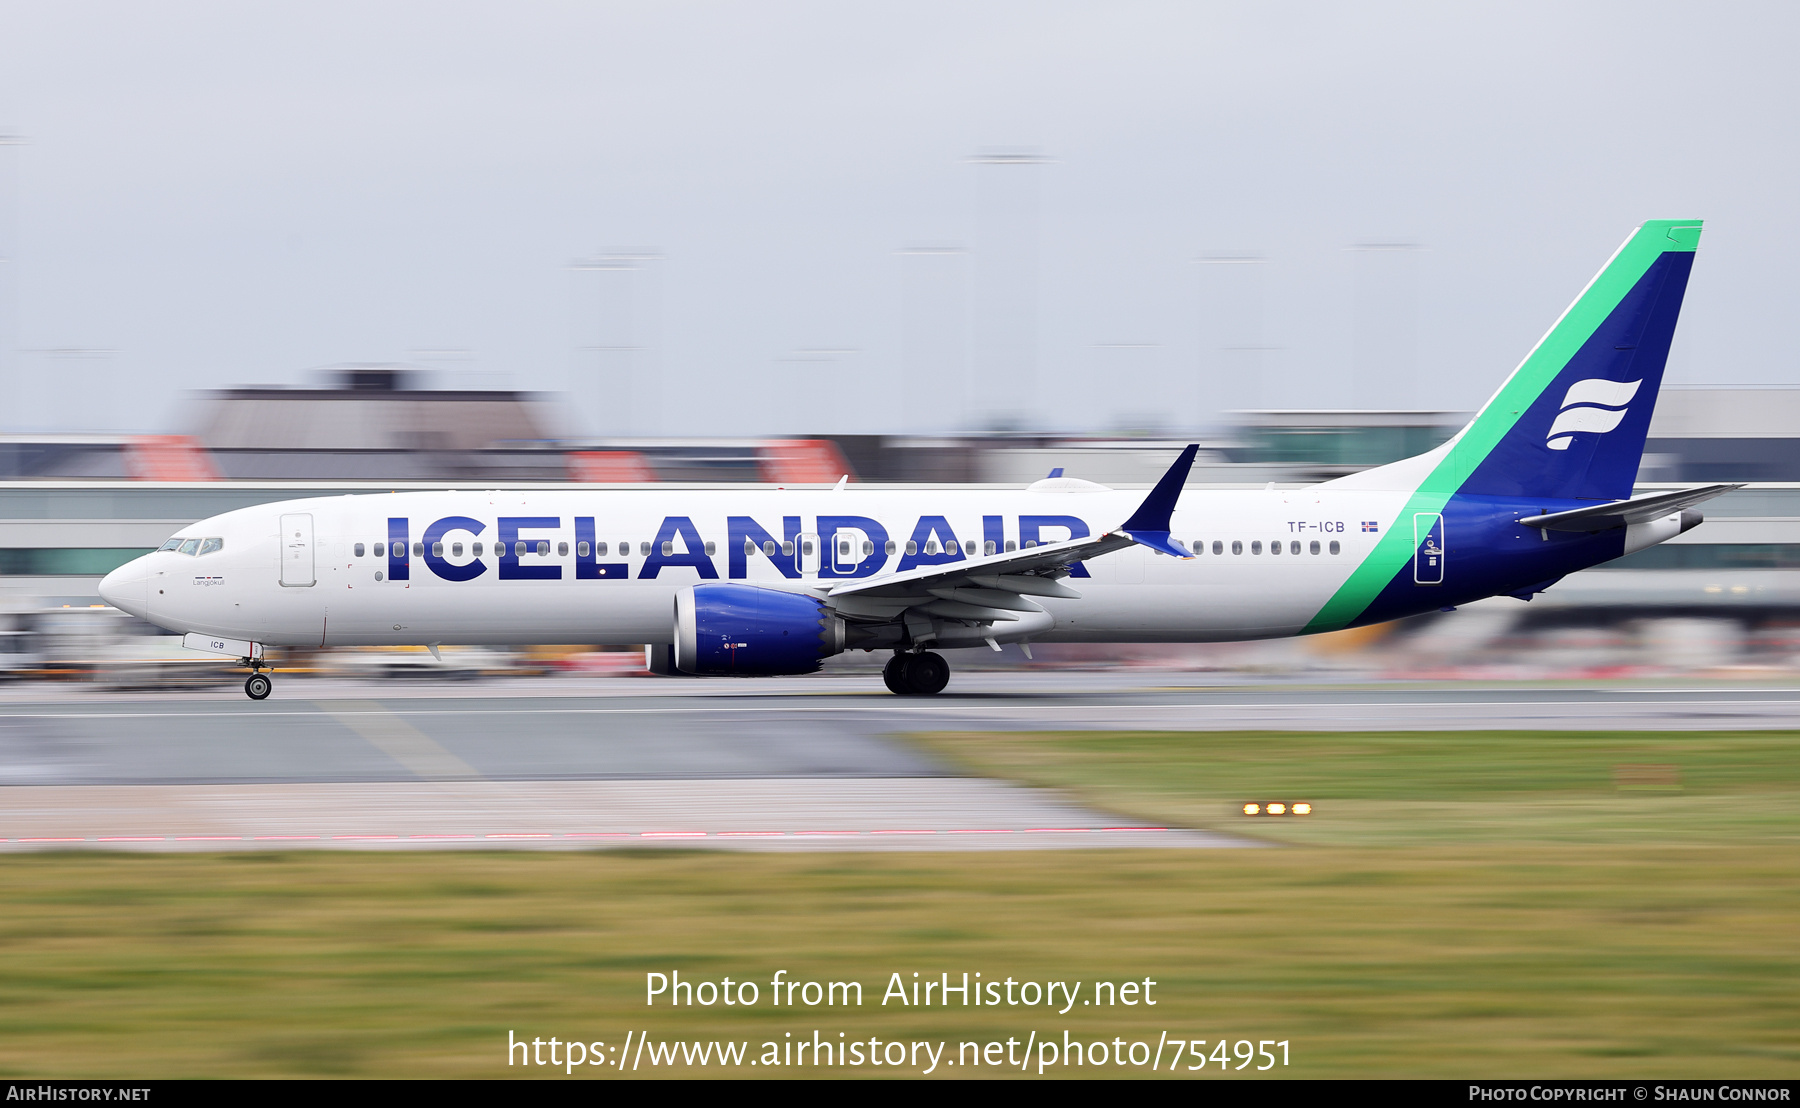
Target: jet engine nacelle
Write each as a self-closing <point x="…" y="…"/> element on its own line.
<point x="742" y="629"/>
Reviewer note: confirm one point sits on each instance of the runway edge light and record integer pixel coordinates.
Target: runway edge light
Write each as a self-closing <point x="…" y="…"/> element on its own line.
<point x="1278" y="808"/>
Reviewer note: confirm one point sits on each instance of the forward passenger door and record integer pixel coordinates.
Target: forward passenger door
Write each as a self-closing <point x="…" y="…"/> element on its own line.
<point x="297" y="551"/>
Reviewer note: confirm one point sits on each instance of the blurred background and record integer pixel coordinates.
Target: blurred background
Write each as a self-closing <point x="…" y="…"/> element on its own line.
<point x="249" y="255"/>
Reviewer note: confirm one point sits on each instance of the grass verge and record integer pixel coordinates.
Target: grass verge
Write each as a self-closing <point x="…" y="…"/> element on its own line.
<point x="1456" y="962"/>
<point x="1408" y="788"/>
<point x="1463" y="905"/>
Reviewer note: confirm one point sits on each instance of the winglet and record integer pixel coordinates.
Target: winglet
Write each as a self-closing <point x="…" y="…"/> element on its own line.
<point x="1149" y="525"/>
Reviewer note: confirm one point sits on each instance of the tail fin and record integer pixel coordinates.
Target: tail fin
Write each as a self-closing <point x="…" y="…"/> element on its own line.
<point x="1571" y="420"/>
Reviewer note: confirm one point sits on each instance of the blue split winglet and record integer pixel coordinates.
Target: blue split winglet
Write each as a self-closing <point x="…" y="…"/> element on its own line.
<point x="1057" y="472"/>
<point x="1149" y="525"/>
<point x="1153" y="514"/>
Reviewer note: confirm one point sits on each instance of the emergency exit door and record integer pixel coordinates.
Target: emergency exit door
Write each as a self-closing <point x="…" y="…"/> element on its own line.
<point x="1428" y="548"/>
<point x="297" y="551"/>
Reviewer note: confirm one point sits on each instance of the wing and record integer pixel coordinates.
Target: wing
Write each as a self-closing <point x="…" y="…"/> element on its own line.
<point x="995" y="588"/>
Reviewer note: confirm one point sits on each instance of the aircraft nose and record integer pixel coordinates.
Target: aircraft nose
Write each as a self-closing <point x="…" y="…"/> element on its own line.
<point x="128" y="587"/>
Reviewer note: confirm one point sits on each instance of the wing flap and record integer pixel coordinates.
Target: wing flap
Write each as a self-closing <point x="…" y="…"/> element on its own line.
<point x="1051" y="558"/>
<point x="992" y="588"/>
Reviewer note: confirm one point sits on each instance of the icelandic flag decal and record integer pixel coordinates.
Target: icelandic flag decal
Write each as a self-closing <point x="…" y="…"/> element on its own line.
<point x="1371" y="525"/>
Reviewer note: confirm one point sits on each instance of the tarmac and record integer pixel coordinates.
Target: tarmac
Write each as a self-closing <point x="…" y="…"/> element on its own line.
<point x="819" y="763"/>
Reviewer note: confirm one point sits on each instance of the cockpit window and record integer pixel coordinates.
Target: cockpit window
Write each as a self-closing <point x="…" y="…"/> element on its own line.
<point x="191" y="546"/>
<point x="172" y="544"/>
<point x="207" y="546"/>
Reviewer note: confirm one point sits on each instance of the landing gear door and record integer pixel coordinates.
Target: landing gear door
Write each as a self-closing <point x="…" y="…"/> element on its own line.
<point x="297" y="551"/>
<point x="1428" y="548"/>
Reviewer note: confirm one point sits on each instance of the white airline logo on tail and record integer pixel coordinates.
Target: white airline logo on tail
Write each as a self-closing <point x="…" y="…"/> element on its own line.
<point x="1595" y="406"/>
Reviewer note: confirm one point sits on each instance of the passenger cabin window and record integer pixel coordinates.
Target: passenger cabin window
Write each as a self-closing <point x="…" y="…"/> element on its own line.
<point x="711" y="548"/>
<point x="190" y="546"/>
<point x="969" y="547"/>
<point x="1011" y="545"/>
<point x="1029" y="543"/>
<point x="600" y="549"/>
<point x="868" y="547"/>
<point x="1237" y="546"/>
<point x="1218" y="547"/>
<point x="892" y="547"/>
<point x="543" y="548"/>
<point x="1256" y="546"/>
<point x="562" y="550"/>
<point x="1314" y="548"/>
<point x="1275" y="547"/>
<point x="643" y="550"/>
<point x="912" y="547"/>
<point x="172" y="544"/>
<point x="770" y="548"/>
<point x="1334" y="546"/>
<point x="359" y="549"/>
<point x="787" y="548"/>
<point x="668" y="547"/>
<point x="418" y="550"/>
<point x="1294" y="547"/>
<point x="456" y="550"/>
<point x="476" y="550"/>
<point x="381" y="550"/>
<point x="987" y="547"/>
<point x="437" y="550"/>
<point x="581" y="550"/>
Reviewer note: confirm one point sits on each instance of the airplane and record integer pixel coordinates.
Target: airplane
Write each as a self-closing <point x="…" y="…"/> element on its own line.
<point x="771" y="581"/>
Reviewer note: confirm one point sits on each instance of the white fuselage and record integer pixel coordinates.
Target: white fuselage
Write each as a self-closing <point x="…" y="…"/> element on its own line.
<point x="336" y="596"/>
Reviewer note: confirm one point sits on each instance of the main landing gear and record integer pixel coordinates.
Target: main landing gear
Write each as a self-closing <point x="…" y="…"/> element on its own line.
<point x="916" y="674"/>
<point x="257" y="686"/>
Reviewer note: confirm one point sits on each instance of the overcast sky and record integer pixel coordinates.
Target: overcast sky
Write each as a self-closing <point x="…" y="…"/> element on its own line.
<point x="214" y="194"/>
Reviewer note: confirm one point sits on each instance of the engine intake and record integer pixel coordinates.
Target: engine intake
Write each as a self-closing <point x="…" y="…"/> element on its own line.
<point x="751" y="631"/>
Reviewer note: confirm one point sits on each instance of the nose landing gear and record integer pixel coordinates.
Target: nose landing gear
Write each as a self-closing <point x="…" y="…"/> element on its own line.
<point x="257" y="686"/>
<point x="916" y="674"/>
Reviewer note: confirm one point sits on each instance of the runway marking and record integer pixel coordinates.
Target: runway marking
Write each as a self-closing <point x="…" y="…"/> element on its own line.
<point x="396" y="738"/>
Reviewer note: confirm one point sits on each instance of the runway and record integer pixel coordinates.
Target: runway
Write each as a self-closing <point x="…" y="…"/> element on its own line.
<point x="808" y="763"/>
<point x="908" y="813"/>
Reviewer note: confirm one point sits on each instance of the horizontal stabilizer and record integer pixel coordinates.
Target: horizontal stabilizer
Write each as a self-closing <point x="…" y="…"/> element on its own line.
<point x="1622" y="513"/>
